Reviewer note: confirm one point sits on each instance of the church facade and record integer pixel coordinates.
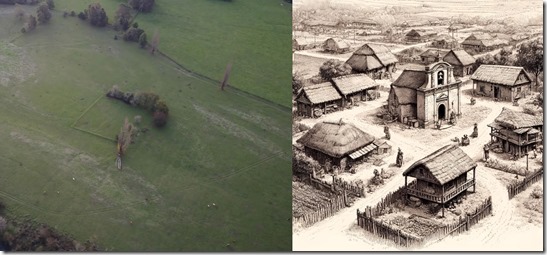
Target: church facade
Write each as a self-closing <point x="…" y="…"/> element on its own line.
<point x="426" y="96"/>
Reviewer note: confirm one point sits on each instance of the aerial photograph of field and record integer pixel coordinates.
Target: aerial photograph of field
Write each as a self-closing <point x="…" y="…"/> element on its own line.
<point x="145" y="125"/>
<point x="417" y="125"/>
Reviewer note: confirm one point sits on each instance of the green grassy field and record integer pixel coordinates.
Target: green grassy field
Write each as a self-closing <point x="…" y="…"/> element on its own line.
<point x="205" y="35"/>
<point x="218" y="147"/>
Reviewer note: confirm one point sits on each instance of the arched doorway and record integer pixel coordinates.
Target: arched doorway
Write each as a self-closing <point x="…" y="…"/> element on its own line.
<point x="442" y="112"/>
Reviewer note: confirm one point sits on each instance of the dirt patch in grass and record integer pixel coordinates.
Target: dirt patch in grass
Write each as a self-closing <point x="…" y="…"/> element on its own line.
<point x="15" y="65"/>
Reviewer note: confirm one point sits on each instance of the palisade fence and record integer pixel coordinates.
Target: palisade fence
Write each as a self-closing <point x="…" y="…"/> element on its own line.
<point x="519" y="186"/>
<point x="340" y="190"/>
<point x="368" y="221"/>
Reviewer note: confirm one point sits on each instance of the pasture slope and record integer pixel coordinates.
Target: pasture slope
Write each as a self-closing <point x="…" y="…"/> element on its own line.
<point x="205" y="35"/>
<point x="218" y="147"/>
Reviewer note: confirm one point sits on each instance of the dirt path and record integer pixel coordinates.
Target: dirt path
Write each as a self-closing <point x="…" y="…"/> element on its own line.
<point x="340" y="232"/>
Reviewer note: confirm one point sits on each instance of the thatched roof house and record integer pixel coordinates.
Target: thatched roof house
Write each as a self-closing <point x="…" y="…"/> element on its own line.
<point x="299" y="44"/>
<point x="336" y="142"/>
<point x="517" y="132"/>
<point x="415" y="35"/>
<point x="482" y="42"/>
<point x="336" y="45"/>
<point x="444" y="41"/>
<point x="441" y="176"/>
<point x="315" y="100"/>
<point x="432" y="55"/>
<point x="502" y="82"/>
<point x="461" y="61"/>
<point x="371" y="58"/>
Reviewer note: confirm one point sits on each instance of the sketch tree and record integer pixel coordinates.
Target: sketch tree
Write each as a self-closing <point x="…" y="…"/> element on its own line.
<point x="334" y="68"/>
<point x="530" y="56"/>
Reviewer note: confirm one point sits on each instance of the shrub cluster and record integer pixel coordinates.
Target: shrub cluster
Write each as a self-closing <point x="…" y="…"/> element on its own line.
<point x="145" y="100"/>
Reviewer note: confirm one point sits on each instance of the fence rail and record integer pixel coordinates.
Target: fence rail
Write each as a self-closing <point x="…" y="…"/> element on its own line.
<point x="518" y="187"/>
<point x="368" y="221"/>
<point x="325" y="210"/>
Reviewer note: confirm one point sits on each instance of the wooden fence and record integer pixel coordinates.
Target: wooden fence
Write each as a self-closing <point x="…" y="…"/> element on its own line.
<point x="352" y="189"/>
<point x="367" y="220"/>
<point x="515" y="188"/>
<point x="325" y="210"/>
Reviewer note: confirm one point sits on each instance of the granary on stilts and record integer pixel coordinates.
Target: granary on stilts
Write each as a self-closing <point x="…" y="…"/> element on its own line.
<point x="441" y="176"/>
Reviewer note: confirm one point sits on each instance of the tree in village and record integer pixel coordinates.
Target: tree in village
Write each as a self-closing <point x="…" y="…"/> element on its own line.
<point x="43" y="13"/>
<point x="142" y="40"/>
<point x="297" y="83"/>
<point x="146" y="100"/>
<point x="155" y="42"/>
<point x="530" y="56"/>
<point x="161" y="106"/>
<point x="133" y="34"/>
<point x="334" y="68"/>
<point x="122" y="18"/>
<point x="97" y="15"/>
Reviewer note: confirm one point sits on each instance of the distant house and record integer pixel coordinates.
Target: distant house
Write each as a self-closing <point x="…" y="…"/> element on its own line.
<point x="424" y="96"/>
<point x="299" y="44"/>
<point x="355" y="88"/>
<point x="441" y="176"/>
<point x="372" y="58"/>
<point x="505" y="83"/>
<point x="461" y="61"/>
<point x="432" y="55"/>
<point x="517" y="132"/>
<point x="335" y="45"/>
<point x="419" y="35"/>
<point x="337" y="144"/>
<point x="383" y="146"/>
<point x="318" y="99"/>
<point x="477" y="43"/>
<point x="362" y="23"/>
<point x="444" y="41"/>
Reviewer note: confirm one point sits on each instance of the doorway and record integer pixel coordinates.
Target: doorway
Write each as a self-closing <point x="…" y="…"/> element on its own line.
<point x="442" y="112"/>
<point x="496" y="92"/>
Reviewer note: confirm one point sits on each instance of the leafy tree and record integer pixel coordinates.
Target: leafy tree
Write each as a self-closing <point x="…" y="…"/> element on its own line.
<point x="72" y="13"/>
<point x="161" y="106"/>
<point x="43" y="13"/>
<point x="142" y="40"/>
<point x="530" y="56"/>
<point x="334" y="68"/>
<point x="31" y="23"/>
<point x="146" y="100"/>
<point x="132" y="34"/>
<point x="122" y="18"/>
<point x="297" y="83"/>
<point x="142" y="5"/>
<point x="135" y="25"/>
<point x="50" y="4"/>
<point x="82" y="16"/>
<point x="97" y="15"/>
<point x="160" y="118"/>
<point x="125" y="136"/>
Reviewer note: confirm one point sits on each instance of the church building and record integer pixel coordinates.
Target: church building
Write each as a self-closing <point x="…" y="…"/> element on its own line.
<point x="426" y="96"/>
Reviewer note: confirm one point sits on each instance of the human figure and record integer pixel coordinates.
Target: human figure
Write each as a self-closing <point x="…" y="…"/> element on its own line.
<point x="386" y="131"/>
<point x="486" y="152"/>
<point x="399" y="161"/>
<point x="475" y="131"/>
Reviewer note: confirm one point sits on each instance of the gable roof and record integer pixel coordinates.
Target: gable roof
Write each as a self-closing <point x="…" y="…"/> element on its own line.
<point x="411" y="78"/>
<point x="462" y="56"/>
<point x="352" y="83"/>
<point x="516" y="120"/>
<point x="341" y="44"/>
<point x="371" y="56"/>
<point x="320" y="93"/>
<point x="335" y="139"/>
<point x="434" y="53"/>
<point x="445" y="164"/>
<point x="503" y="75"/>
<point x="415" y="32"/>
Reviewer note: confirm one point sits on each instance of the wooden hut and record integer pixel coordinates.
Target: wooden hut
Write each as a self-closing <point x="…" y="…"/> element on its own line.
<point x="415" y="35"/>
<point x="461" y="61"/>
<point x="337" y="144"/>
<point x="444" y="41"/>
<point x="441" y="176"/>
<point x="482" y="42"/>
<point x="501" y="82"/>
<point x="318" y="99"/>
<point x="355" y="88"/>
<point x="432" y="55"/>
<point x="335" y="45"/>
<point x="299" y="44"/>
<point x="373" y="58"/>
<point x="517" y="132"/>
<point x="383" y="146"/>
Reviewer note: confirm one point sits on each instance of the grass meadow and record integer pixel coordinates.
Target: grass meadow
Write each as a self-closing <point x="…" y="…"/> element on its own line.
<point x="221" y="147"/>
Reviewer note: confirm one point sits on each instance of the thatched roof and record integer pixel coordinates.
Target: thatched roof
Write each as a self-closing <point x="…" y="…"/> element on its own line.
<point x="353" y="83"/>
<point x="434" y="53"/>
<point x="320" y="93"/>
<point x="335" y="139"/>
<point x="419" y="33"/>
<point x="404" y="95"/>
<point x="340" y="44"/>
<point x="445" y="164"/>
<point x="300" y="41"/>
<point x="516" y="120"/>
<point x="503" y="75"/>
<point x="411" y="78"/>
<point x="370" y="57"/>
<point x="445" y="37"/>
<point x="462" y="56"/>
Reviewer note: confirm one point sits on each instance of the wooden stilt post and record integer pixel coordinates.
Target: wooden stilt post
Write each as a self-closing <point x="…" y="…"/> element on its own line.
<point x="442" y="201"/>
<point x="474" y="181"/>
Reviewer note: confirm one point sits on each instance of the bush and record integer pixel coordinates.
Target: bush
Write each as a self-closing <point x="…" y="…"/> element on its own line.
<point x="132" y="34"/>
<point x="50" y="4"/>
<point x="43" y="13"/>
<point x="72" y="13"/>
<point x="142" y="40"/>
<point x="161" y="106"/>
<point x="142" y="5"/>
<point x="160" y="119"/>
<point x="82" y="16"/>
<point x="97" y="15"/>
<point x="537" y="193"/>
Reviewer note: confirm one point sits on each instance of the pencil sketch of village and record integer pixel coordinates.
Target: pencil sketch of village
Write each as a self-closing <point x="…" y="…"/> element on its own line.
<point x="417" y="125"/>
